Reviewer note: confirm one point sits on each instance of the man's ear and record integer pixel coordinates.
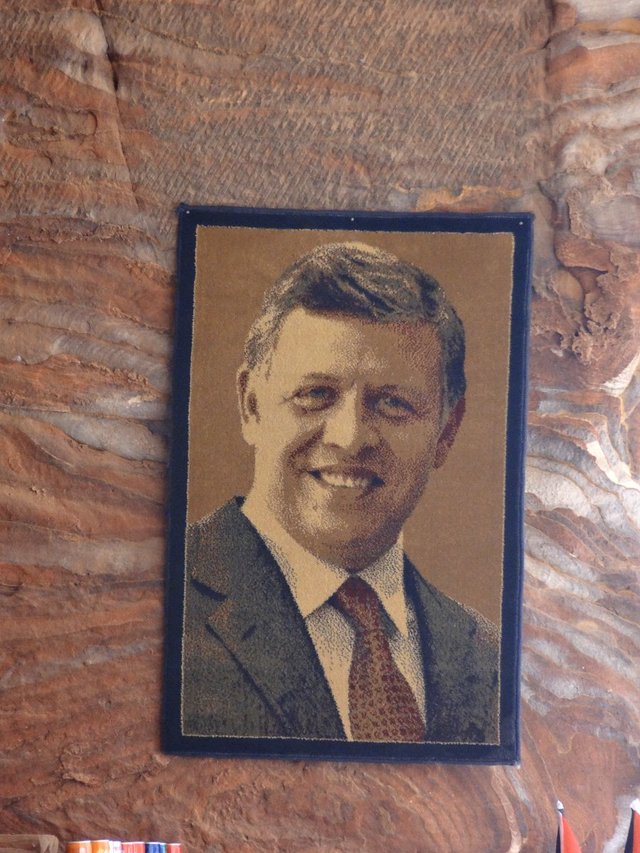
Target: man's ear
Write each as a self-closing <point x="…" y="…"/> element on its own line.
<point x="449" y="432"/>
<point x="247" y="403"/>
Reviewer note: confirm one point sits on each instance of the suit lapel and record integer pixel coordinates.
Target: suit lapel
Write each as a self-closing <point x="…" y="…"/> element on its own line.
<point x="445" y="654"/>
<point x="257" y="620"/>
<point x="459" y="691"/>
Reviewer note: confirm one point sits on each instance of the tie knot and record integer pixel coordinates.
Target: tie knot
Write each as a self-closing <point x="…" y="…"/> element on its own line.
<point x="360" y="603"/>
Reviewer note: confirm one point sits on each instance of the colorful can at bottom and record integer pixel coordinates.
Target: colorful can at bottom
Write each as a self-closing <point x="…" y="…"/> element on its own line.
<point x="102" y="845"/>
<point x="78" y="847"/>
<point x="174" y="847"/>
<point x="133" y="847"/>
<point x="155" y="847"/>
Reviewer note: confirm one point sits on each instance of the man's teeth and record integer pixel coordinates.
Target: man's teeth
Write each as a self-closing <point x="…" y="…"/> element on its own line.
<point x="344" y="480"/>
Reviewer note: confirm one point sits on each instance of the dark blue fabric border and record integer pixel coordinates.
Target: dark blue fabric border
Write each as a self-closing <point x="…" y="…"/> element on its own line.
<point x="521" y="226"/>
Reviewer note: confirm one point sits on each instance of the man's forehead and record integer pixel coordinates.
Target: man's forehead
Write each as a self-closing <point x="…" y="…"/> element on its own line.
<point x="300" y="320"/>
<point x="310" y="341"/>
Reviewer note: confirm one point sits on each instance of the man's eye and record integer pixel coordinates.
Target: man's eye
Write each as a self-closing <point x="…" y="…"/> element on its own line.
<point x="392" y="406"/>
<point x="314" y="399"/>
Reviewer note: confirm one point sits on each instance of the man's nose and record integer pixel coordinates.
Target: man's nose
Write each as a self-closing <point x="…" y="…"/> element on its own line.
<point x="348" y="425"/>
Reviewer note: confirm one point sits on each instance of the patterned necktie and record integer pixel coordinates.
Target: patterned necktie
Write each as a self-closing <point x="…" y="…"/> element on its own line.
<point x="382" y="706"/>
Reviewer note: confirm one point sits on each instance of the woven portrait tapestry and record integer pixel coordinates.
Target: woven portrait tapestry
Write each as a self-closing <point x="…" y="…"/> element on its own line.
<point x="345" y="537"/>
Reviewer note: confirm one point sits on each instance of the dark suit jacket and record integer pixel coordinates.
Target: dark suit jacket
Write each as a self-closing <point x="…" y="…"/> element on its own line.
<point x="250" y="668"/>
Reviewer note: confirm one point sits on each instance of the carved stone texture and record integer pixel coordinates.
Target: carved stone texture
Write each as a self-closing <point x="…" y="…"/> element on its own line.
<point x="20" y="843"/>
<point x="115" y="112"/>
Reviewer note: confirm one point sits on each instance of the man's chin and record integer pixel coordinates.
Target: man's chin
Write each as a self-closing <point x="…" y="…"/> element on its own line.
<point x="349" y="548"/>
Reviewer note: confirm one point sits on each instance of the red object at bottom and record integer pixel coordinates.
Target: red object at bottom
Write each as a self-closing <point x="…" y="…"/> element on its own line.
<point x="567" y="842"/>
<point x="633" y="839"/>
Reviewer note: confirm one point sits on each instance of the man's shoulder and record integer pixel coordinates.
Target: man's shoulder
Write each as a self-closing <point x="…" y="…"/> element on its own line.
<point x="447" y="612"/>
<point x="462" y="661"/>
<point x="219" y="542"/>
<point x="227" y="517"/>
<point x="460" y="641"/>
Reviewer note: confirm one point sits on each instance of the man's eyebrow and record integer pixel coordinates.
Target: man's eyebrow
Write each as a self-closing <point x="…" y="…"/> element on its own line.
<point x="315" y="377"/>
<point x="395" y="388"/>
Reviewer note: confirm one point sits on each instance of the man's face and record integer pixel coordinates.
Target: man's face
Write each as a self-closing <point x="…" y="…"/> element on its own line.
<point x="346" y="422"/>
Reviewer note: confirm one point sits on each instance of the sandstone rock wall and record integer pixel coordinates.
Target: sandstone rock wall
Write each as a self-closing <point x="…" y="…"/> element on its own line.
<point x="116" y="110"/>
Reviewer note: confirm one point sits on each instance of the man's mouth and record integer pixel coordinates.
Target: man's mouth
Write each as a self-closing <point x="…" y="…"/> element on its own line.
<point x="360" y="479"/>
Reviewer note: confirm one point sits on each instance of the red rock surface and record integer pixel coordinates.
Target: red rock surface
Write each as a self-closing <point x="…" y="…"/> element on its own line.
<point x="115" y="111"/>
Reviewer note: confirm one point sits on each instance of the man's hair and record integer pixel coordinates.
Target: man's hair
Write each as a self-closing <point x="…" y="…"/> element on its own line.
<point x="362" y="281"/>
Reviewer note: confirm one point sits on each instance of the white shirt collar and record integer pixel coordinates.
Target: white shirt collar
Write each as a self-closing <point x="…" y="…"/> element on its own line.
<point x="313" y="581"/>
